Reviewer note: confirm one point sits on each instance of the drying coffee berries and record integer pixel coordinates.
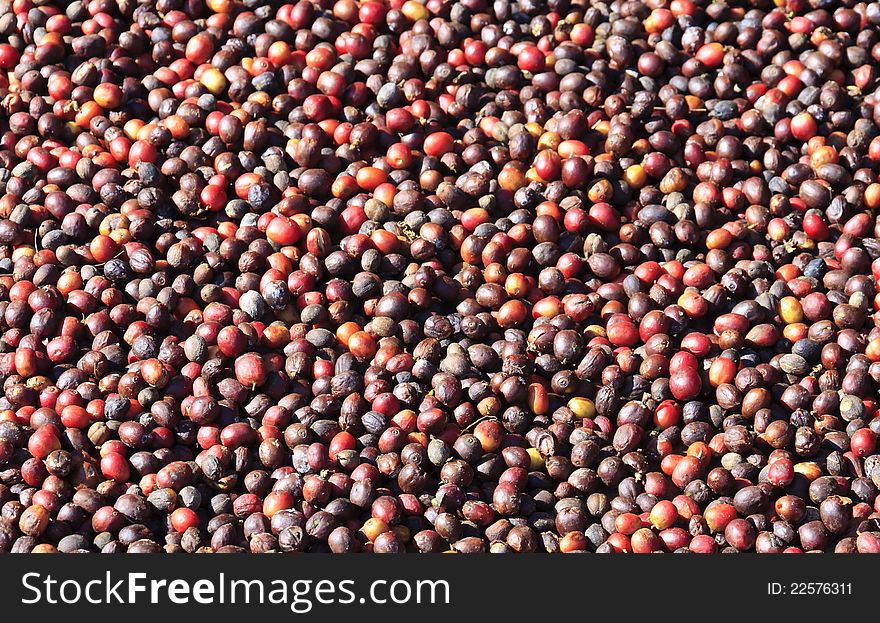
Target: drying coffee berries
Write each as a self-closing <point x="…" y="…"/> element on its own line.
<point x="439" y="276"/>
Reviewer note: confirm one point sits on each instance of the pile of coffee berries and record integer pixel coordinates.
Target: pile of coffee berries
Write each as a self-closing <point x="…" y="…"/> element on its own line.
<point x="439" y="275"/>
